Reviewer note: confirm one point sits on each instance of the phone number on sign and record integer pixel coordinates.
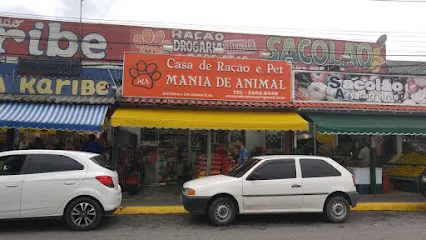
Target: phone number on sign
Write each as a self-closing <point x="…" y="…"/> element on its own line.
<point x="262" y="93"/>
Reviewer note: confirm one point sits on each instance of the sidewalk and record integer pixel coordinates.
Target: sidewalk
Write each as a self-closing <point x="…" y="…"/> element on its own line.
<point x="170" y="204"/>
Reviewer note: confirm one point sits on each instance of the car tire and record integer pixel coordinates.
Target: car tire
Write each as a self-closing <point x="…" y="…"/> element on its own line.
<point x="222" y="211"/>
<point x="337" y="209"/>
<point x="83" y="214"/>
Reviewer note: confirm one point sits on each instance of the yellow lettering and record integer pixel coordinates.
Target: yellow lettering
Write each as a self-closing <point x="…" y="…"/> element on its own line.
<point x="24" y="86"/>
<point x="2" y="87"/>
<point x="101" y="88"/>
<point x="87" y="87"/>
<point x="74" y="87"/>
<point x="44" y="86"/>
<point x="61" y="83"/>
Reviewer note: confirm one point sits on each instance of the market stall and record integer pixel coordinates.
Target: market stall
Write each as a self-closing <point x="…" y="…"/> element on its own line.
<point x="389" y="169"/>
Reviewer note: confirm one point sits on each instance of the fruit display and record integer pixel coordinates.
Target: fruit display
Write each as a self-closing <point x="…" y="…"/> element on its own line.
<point x="413" y="165"/>
<point x="408" y="171"/>
<point x="413" y="158"/>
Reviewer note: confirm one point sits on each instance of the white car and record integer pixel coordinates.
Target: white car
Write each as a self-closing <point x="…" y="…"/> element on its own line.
<point x="50" y="183"/>
<point x="274" y="184"/>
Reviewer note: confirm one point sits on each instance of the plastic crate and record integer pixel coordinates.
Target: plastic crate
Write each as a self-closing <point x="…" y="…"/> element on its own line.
<point x="406" y="185"/>
<point x="364" y="189"/>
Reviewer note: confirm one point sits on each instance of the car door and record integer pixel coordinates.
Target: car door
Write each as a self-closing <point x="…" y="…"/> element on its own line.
<point x="50" y="180"/>
<point x="11" y="181"/>
<point x="318" y="178"/>
<point x="273" y="185"/>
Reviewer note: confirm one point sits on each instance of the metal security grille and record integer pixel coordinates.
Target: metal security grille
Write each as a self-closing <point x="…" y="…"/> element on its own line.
<point x="48" y="67"/>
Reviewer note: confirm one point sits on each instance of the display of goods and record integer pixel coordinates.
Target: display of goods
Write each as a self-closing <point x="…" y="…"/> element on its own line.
<point x="220" y="150"/>
<point x="413" y="158"/>
<point x="216" y="172"/>
<point x="405" y="171"/>
<point x="395" y="158"/>
<point x="202" y="158"/>
<point x="217" y="157"/>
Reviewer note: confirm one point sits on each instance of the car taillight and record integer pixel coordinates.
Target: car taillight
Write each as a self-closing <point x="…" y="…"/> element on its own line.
<point x="106" y="181"/>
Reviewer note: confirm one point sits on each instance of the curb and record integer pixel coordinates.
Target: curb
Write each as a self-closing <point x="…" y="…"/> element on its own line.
<point x="372" y="206"/>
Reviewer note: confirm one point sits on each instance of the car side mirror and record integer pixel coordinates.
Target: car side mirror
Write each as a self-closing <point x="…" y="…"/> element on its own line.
<point x="253" y="176"/>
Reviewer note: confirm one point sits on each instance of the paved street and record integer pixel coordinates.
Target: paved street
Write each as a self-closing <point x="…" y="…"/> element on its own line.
<point x="362" y="225"/>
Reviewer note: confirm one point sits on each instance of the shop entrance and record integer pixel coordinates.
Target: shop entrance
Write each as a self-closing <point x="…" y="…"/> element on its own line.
<point x="200" y="143"/>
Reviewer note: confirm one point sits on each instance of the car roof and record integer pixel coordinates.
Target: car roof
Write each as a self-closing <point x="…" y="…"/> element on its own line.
<point x="270" y="157"/>
<point x="53" y="152"/>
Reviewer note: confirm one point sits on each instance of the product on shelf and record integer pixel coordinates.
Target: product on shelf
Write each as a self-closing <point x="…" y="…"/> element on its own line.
<point x="413" y="158"/>
<point x="405" y="171"/>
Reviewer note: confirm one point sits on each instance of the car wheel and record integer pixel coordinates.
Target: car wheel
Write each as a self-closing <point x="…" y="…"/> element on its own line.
<point x="83" y="214"/>
<point x="337" y="209"/>
<point x="222" y="211"/>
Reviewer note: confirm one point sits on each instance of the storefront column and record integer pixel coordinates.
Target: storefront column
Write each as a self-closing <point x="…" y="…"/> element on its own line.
<point x="399" y="144"/>
<point x="315" y="138"/>
<point x="373" y="165"/>
<point x="294" y="142"/>
<point x="209" y="152"/>
<point x="10" y="138"/>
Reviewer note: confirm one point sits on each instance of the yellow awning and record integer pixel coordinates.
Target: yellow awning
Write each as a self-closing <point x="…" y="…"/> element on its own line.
<point x="208" y="119"/>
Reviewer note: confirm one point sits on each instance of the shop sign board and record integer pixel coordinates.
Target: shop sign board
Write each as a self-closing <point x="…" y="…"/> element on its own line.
<point x="187" y="77"/>
<point x="316" y="86"/>
<point x="26" y="85"/>
<point x="21" y="37"/>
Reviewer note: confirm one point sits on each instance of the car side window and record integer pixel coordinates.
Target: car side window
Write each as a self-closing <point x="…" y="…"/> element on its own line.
<point x="276" y="169"/>
<point x="312" y="168"/>
<point x="12" y="164"/>
<point x="44" y="163"/>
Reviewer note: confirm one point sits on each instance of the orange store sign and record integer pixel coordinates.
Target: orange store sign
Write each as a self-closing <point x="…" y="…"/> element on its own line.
<point x="186" y="77"/>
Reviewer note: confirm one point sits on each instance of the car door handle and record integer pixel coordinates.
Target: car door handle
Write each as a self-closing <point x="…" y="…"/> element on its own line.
<point x="295" y="186"/>
<point x="69" y="183"/>
<point x="11" y="185"/>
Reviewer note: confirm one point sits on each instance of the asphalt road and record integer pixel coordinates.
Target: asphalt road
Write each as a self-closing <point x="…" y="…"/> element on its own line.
<point x="361" y="225"/>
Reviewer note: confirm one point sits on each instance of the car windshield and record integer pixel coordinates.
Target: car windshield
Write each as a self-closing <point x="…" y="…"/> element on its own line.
<point x="101" y="161"/>
<point x="241" y="170"/>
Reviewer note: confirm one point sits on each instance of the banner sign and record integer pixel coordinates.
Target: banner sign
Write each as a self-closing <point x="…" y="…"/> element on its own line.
<point x="186" y="77"/>
<point x="22" y="85"/>
<point x="359" y="88"/>
<point x="102" y="42"/>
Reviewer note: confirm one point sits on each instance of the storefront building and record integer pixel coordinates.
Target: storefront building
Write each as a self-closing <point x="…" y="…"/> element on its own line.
<point x="52" y="112"/>
<point x="385" y="113"/>
<point x="184" y="122"/>
<point x="157" y="125"/>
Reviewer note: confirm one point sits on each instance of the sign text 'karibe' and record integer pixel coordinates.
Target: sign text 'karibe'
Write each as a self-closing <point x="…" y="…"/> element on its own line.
<point x="25" y="85"/>
<point x="105" y="42"/>
<point x="166" y="76"/>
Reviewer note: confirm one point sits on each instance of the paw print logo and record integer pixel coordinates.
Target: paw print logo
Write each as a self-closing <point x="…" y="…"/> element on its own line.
<point x="144" y="75"/>
<point x="150" y="42"/>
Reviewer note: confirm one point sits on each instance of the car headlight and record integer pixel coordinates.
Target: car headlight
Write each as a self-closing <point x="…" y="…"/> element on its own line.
<point x="424" y="179"/>
<point x="189" y="191"/>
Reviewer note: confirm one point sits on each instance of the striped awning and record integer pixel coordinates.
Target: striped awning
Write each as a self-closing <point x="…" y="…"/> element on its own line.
<point x="81" y="118"/>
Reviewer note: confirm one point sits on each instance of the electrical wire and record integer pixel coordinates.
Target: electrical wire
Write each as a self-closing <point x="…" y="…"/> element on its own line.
<point x="167" y="25"/>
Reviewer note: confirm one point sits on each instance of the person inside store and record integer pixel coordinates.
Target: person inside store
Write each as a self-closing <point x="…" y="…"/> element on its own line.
<point x="37" y="144"/>
<point x="364" y="153"/>
<point x="243" y="154"/>
<point x="92" y="146"/>
<point x="235" y="153"/>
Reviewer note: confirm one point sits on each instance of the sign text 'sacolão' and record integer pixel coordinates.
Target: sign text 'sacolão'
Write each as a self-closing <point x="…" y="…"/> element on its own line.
<point x="185" y="77"/>
<point x="359" y="88"/>
<point x="105" y="42"/>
